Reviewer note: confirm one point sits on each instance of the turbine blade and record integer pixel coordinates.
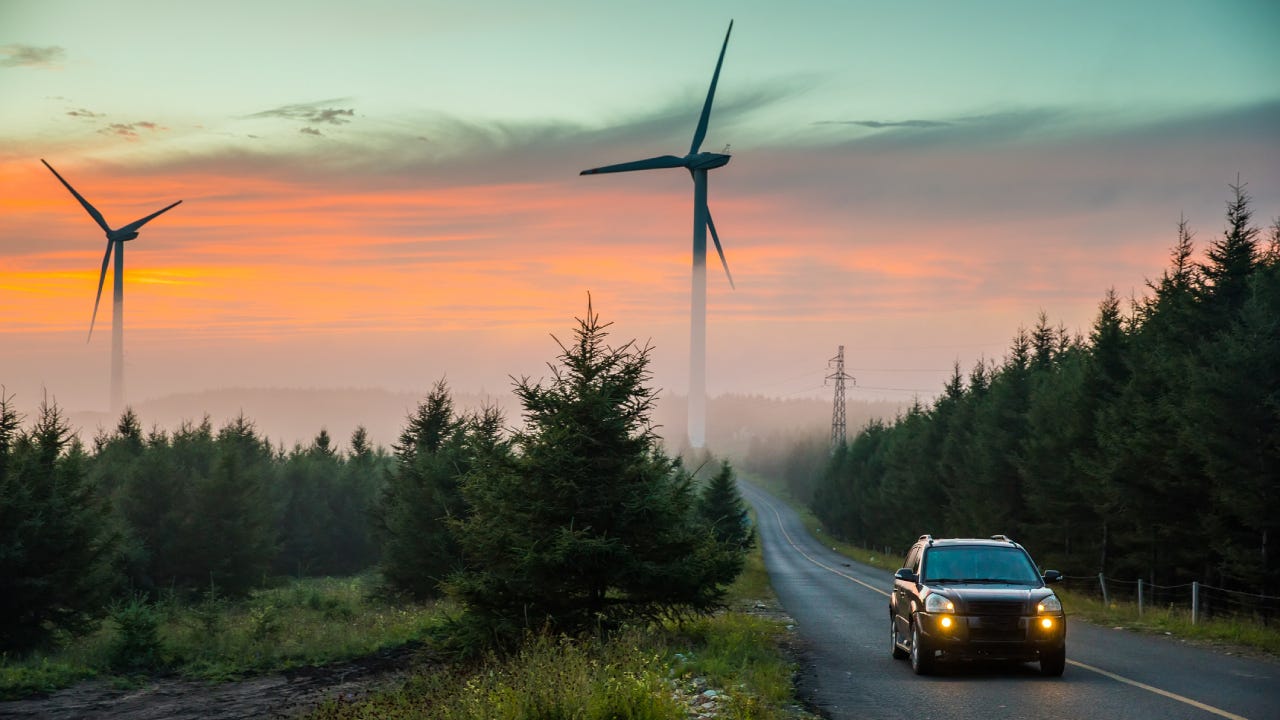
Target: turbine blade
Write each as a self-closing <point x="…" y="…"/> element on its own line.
<point x="716" y="237"/>
<point x="701" y="132"/>
<point x="93" y="211"/>
<point x="662" y="161"/>
<point x="131" y="227"/>
<point x="106" y="259"/>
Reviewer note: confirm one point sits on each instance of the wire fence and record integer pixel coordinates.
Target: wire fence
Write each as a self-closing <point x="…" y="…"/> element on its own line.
<point x="1197" y="600"/>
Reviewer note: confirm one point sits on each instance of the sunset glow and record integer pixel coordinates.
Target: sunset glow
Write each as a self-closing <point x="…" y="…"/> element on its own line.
<point x="383" y="223"/>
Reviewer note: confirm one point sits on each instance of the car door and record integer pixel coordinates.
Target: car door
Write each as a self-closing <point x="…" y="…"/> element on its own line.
<point x="903" y="592"/>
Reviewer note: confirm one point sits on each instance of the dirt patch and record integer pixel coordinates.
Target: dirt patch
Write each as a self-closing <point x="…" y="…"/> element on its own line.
<point x="280" y="695"/>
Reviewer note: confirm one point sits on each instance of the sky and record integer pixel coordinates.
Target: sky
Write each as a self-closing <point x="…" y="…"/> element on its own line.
<point x="383" y="194"/>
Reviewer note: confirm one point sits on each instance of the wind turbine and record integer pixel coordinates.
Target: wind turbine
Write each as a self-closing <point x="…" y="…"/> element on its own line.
<point x="115" y="240"/>
<point x="698" y="163"/>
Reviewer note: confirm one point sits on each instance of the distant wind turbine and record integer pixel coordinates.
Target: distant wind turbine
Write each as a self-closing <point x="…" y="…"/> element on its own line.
<point x="698" y="163"/>
<point x="115" y="240"/>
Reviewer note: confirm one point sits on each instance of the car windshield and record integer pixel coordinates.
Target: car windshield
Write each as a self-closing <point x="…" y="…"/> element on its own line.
<point x="979" y="563"/>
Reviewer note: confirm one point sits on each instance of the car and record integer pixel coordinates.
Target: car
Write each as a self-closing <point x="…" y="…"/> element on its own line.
<point x="976" y="598"/>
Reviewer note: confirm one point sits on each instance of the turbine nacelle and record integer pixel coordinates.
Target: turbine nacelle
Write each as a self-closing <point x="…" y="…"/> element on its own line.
<point x="121" y="237"/>
<point x="705" y="161"/>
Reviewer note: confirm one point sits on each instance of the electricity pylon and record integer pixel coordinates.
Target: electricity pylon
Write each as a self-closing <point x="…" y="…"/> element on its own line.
<point x="837" y="409"/>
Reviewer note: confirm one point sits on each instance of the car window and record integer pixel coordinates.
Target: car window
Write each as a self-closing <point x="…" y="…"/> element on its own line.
<point x="980" y="562"/>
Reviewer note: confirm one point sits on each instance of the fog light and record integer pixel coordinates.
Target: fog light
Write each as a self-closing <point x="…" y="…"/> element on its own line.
<point x="1046" y="623"/>
<point x="946" y="623"/>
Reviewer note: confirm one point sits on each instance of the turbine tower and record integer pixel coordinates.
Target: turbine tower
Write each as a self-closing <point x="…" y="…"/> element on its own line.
<point x="697" y="163"/>
<point x="115" y="241"/>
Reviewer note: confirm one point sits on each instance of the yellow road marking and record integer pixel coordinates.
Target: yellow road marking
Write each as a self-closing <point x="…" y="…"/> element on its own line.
<point x="1100" y="671"/>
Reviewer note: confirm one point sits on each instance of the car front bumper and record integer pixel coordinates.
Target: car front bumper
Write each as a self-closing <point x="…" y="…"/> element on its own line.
<point x="997" y="637"/>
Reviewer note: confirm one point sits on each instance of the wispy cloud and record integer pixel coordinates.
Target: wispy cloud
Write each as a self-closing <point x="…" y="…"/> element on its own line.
<point x="19" y="55"/>
<point x="83" y="113"/>
<point x="310" y="131"/>
<point x="129" y="131"/>
<point x="323" y="112"/>
<point x="886" y="124"/>
<point x="995" y="127"/>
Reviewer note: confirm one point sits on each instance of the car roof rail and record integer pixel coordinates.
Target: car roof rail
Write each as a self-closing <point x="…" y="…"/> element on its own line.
<point x="1003" y="538"/>
<point x="925" y="537"/>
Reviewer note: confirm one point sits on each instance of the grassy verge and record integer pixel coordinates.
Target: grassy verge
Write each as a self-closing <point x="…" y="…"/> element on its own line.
<point x="729" y="665"/>
<point x="307" y="622"/>
<point x="1240" y="632"/>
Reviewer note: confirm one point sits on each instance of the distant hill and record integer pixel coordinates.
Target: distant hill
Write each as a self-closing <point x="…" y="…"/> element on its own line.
<point x="294" y="415"/>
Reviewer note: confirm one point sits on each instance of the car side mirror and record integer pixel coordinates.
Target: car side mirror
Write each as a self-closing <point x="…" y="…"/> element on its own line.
<point x="905" y="574"/>
<point x="1052" y="576"/>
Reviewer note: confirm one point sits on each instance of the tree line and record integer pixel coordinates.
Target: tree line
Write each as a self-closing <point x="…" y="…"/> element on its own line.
<point x="575" y="520"/>
<point x="1149" y="449"/>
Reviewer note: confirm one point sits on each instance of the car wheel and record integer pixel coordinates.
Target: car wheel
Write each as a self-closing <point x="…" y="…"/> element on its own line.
<point x="921" y="655"/>
<point x="1053" y="662"/>
<point x="898" y="653"/>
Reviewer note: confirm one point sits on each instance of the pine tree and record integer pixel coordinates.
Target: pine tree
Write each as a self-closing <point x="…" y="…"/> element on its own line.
<point x="231" y="537"/>
<point x="1231" y="261"/>
<point x="56" y="542"/>
<point x="721" y="508"/>
<point x="422" y="496"/>
<point x="590" y="524"/>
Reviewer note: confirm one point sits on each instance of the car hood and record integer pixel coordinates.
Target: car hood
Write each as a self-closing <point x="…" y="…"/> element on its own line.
<point x="970" y="593"/>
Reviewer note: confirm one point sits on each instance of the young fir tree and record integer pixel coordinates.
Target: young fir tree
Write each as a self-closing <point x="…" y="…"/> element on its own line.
<point x="55" y="537"/>
<point x="590" y="524"/>
<point x="422" y="495"/>
<point x="230" y="535"/>
<point x="721" y="508"/>
<point x="353" y="501"/>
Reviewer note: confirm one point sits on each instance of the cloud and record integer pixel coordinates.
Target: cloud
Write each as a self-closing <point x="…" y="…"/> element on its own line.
<point x="82" y="113"/>
<point x="18" y="55"/>
<point x="310" y="131"/>
<point x="320" y="112"/>
<point x="990" y="128"/>
<point x="129" y="131"/>
<point x="886" y="124"/>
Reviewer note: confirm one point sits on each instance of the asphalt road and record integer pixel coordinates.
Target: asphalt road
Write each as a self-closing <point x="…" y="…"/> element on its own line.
<point x="841" y="609"/>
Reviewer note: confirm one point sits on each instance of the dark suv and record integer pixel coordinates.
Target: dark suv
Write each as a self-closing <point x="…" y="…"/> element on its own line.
<point x="976" y="598"/>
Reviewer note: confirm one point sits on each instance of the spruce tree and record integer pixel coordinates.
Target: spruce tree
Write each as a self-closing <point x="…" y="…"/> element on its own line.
<point x="56" y="541"/>
<point x="721" y="508"/>
<point x="422" y="497"/>
<point x="590" y="524"/>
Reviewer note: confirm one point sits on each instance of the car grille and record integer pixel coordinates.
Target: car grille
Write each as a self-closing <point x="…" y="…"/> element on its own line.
<point x="1000" y="628"/>
<point x="995" y="607"/>
<point x="997" y="634"/>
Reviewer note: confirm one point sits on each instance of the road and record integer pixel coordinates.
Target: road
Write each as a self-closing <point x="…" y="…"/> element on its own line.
<point x="841" y="609"/>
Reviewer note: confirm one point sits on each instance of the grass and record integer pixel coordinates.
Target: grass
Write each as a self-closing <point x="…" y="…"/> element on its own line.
<point x="646" y="673"/>
<point x="306" y="622"/>
<point x="1175" y="621"/>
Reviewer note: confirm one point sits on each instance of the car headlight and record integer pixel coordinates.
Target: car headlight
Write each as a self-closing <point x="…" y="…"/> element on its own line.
<point x="938" y="603"/>
<point x="1050" y="604"/>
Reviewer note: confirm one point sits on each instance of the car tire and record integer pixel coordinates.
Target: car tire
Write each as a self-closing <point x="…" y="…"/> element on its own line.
<point x="1053" y="662"/>
<point x="921" y="654"/>
<point x="898" y="653"/>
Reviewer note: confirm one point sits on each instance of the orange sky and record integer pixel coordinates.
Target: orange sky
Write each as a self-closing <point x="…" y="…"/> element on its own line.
<point x="299" y="279"/>
<point x="911" y="182"/>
